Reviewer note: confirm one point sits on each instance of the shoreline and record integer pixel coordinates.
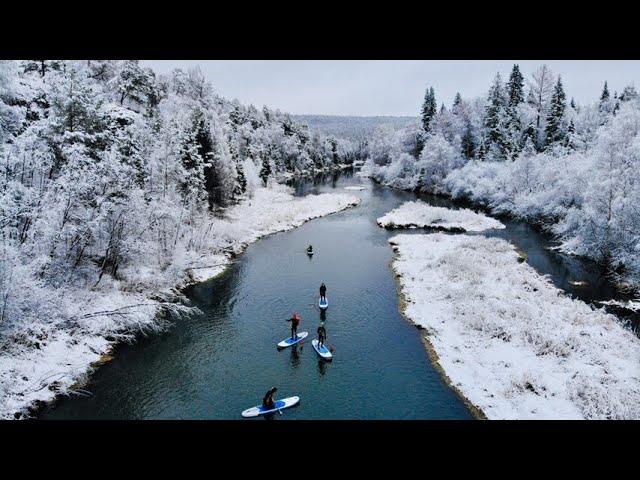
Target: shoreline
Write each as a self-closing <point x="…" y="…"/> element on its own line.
<point x="509" y="343"/>
<point x="104" y="355"/>
<point x="432" y="355"/>
<point x="627" y="289"/>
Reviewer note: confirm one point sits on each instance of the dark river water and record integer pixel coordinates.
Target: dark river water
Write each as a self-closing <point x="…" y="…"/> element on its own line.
<point x="214" y="365"/>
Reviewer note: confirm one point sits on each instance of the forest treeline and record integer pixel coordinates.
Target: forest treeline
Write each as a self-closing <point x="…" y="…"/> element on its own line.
<point x="527" y="149"/>
<point x="106" y="167"/>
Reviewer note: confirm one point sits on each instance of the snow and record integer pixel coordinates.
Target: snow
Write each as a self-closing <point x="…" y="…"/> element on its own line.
<point x="92" y="321"/>
<point x="357" y="188"/>
<point x="421" y="215"/>
<point x="513" y="344"/>
<point x="631" y="305"/>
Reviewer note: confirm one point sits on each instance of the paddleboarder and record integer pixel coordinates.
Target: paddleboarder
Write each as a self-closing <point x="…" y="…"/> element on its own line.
<point x="323" y="292"/>
<point x="322" y="334"/>
<point x="295" y="321"/>
<point x="310" y="249"/>
<point x="267" y="400"/>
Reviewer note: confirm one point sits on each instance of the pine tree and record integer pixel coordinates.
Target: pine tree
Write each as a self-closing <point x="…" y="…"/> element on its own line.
<point x="467" y="142"/>
<point x="457" y="101"/>
<point x="605" y="93"/>
<point x="629" y="93"/>
<point x="241" y="181"/>
<point x="265" y="171"/>
<point x="236" y="116"/>
<point x="554" y="131"/>
<point x="515" y="87"/>
<point x="529" y="135"/>
<point x="573" y="104"/>
<point x="616" y="103"/>
<point x="334" y="151"/>
<point x="135" y="83"/>
<point x="196" y="151"/>
<point x="495" y="122"/>
<point x="571" y="133"/>
<point x="515" y="90"/>
<point x="429" y="108"/>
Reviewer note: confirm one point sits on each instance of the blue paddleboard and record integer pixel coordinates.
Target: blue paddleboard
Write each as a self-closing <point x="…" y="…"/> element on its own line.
<point x="287" y="342"/>
<point x="278" y="405"/>
<point x="323" y="351"/>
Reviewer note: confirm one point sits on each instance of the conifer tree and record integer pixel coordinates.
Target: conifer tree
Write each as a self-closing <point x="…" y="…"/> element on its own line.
<point x="467" y="142"/>
<point x="616" y="103"/>
<point x="605" y="93"/>
<point x="573" y="104"/>
<point x="429" y="108"/>
<point x="241" y="181"/>
<point x="515" y="87"/>
<point x="495" y="122"/>
<point x="629" y="93"/>
<point x="457" y="101"/>
<point x="265" y="171"/>
<point x="515" y="92"/>
<point x="571" y="133"/>
<point x="554" y="131"/>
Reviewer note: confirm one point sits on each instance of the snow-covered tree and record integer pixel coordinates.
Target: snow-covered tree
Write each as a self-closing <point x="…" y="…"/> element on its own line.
<point x="555" y="129"/>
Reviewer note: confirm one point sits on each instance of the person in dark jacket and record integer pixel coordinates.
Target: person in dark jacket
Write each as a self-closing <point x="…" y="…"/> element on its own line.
<point x="295" y="321"/>
<point x="323" y="292"/>
<point x="322" y="334"/>
<point x="267" y="400"/>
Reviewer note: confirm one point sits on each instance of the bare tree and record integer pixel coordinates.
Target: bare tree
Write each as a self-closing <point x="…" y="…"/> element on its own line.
<point x="540" y="90"/>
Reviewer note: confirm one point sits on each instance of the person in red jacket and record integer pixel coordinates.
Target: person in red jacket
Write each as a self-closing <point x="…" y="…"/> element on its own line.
<point x="295" y="321"/>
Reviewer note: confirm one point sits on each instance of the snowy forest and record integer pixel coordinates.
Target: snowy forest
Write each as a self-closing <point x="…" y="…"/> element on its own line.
<point x="529" y="150"/>
<point x="108" y="175"/>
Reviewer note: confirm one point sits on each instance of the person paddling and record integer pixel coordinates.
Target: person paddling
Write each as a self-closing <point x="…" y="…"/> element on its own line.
<point x="323" y="292"/>
<point x="267" y="400"/>
<point x="295" y="321"/>
<point x="322" y="334"/>
<point x="310" y="249"/>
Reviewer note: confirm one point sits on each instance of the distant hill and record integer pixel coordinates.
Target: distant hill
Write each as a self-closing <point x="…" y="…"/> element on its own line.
<point x="354" y="128"/>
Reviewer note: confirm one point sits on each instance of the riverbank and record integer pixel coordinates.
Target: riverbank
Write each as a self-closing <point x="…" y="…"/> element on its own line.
<point x="510" y="342"/>
<point x="56" y="356"/>
<point x="421" y="215"/>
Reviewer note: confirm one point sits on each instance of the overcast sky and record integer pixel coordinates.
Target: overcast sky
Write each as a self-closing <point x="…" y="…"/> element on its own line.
<point x="386" y="87"/>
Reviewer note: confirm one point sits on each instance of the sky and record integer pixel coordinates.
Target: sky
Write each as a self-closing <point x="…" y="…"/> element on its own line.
<point x="387" y="87"/>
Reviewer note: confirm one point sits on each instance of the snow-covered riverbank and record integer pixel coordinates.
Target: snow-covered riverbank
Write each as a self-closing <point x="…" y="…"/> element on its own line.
<point x="513" y="344"/>
<point x="55" y="355"/>
<point x="422" y="215"/>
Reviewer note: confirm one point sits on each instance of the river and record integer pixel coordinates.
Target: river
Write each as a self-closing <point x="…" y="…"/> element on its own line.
<point x="220" y="362"/>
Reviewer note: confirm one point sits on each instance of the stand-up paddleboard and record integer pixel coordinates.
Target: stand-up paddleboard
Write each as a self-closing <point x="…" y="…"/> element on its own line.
<point x="324" y="304"/>
<point x="292" y="341"/>
<point x="278" y="405"/>
<point x="323" y="351"/>
<point x="310" y="253"/>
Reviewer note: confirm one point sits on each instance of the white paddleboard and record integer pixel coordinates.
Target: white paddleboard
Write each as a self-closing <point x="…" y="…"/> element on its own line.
<point x="287" y="342"/>
<point x="324" y="304"/>
<point x="278" y="405"/>
<point x="323" y="351"/>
